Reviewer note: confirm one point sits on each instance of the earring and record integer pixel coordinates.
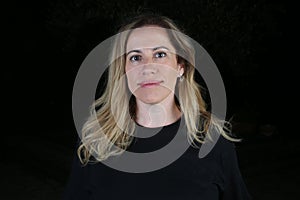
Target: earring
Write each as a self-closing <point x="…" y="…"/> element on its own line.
<point x="181" y="78"/>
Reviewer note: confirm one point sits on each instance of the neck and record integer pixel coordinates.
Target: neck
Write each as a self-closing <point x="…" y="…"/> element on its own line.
<point x="157" y="115"/>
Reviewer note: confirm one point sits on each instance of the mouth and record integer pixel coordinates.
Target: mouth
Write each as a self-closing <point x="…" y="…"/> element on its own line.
<point x="147" y="84"/>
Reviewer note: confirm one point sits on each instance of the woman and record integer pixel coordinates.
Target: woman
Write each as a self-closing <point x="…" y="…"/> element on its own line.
<point x="152" y="60"/>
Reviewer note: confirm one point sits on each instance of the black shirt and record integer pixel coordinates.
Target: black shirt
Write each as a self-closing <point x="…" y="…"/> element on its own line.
<point x="214" y="177"/>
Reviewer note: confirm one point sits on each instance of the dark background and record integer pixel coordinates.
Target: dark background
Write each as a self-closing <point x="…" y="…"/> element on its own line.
<point x="47" y="41"/>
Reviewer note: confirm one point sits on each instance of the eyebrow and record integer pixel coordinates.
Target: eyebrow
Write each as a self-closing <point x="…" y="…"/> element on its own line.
<point x="153" y="49"/>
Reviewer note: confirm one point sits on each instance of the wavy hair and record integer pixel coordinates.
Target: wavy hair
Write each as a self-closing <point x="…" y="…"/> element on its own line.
<point x="113" y="123"/>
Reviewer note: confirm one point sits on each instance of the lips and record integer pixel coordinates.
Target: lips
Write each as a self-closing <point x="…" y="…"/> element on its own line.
<point x="150" y="83"/>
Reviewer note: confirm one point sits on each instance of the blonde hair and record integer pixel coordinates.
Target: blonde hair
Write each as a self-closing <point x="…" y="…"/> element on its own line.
<point x="114" y="122"/>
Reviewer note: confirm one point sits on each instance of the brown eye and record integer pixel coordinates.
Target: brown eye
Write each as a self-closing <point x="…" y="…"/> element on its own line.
<point x="135" y="58"/>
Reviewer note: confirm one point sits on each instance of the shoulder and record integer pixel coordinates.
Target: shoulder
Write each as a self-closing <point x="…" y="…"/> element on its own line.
<point x="217" y="146"/>
<point x="224" y="145"/>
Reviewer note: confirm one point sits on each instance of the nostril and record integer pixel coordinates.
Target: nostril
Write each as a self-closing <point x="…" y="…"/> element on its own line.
<point x="146" y="72"/>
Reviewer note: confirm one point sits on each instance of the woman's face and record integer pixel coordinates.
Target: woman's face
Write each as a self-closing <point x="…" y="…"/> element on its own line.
<point x="151" y="64"/>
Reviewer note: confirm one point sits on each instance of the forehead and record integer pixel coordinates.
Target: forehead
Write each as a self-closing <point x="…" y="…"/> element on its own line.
<point x="148" y="37"/>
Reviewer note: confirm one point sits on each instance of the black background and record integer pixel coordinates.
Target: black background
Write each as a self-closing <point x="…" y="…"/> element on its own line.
<point x="46" y="42"/>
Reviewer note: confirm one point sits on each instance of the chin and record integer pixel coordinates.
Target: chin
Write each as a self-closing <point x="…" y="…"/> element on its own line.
<point x="151" y="101"/>
<point x="152" y="97"/>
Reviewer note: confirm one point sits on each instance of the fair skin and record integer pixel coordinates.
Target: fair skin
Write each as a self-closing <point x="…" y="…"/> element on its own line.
<point x="152" y="71"/>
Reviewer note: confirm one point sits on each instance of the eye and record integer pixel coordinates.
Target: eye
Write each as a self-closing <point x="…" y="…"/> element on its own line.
<point x="135" y="58"/>
<point x="160" y="55"/>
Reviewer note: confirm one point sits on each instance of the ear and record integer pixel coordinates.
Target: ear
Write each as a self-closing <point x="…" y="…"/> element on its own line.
<point x="180" y="69"/>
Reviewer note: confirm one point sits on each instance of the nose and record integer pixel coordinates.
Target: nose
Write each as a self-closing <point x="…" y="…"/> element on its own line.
<point x="149" y="66"/>
<point x="149" y="69"/>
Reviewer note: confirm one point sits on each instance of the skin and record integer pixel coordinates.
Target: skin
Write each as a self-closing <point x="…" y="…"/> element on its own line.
<point x="152" y="71"/>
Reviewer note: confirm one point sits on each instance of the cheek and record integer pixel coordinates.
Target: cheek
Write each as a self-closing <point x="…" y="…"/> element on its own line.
<point x="131" y="77"/>
<point x="127" y="67"/>
<point x="170" y="75"/>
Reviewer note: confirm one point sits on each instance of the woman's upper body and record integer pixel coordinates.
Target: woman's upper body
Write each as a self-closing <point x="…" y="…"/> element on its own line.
<point x="148" y="56"/>
<point x="214" y="177"/>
